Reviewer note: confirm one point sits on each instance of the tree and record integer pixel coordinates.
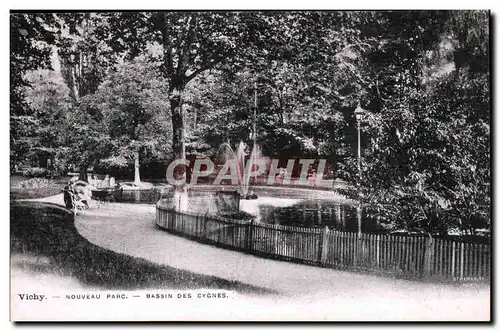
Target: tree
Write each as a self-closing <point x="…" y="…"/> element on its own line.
<point x="30" y="49"/>
<point x="426" y="165"/>
<point x="131" y="100"/>
<point x="423" y="77"/>
<point x="191" y="43"/>
<point x="307" y="70"/>
<point x="48" y="97"/>
<point x="84" y="57"/>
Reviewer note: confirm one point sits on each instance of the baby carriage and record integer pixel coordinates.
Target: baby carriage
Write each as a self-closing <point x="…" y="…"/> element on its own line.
<point x="74" y="199"/>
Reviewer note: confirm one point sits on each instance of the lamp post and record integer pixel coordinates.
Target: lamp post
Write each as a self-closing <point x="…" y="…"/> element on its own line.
<point x="253" y="151"/>
<point x="359" y="112"/>
<point x="254" y="128"/>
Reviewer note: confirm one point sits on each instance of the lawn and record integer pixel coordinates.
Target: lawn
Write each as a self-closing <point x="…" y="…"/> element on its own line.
<point x="42" y="192"/>
<point x="25" y="188"/>
<point x="47" y="231"/>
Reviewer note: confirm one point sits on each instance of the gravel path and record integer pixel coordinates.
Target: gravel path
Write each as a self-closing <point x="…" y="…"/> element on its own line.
<point x="58" y="199"/>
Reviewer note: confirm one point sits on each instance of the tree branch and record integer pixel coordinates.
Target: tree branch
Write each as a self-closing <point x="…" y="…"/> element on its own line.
<point x="167" y="47"/>
<point x="207" y="66"/>
<point x="186" y="50"/>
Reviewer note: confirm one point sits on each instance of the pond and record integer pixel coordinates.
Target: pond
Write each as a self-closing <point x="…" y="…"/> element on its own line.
<point x="339" y="215"/>
<point x="301" y="207"/>
<point x="290" y="206"/>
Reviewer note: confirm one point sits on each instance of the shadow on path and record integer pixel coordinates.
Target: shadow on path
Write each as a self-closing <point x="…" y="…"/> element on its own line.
<point x="45" y="237"/>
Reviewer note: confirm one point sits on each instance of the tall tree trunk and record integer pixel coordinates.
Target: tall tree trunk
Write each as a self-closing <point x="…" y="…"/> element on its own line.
<point x="195" y="118"/>
<point x="178" y="139"/>
<point x="137" y="175"/>
<point x="83" y="174"/>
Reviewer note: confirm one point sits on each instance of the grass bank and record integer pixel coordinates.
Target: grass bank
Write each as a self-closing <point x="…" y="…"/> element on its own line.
<point x="47" y="231"/>
<point x="35" y="188"/>
<point x="34" y="193"/>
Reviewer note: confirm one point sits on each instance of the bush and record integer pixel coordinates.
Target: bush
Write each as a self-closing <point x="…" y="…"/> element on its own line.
<point x="60" y="166"/>
<point x="54" y="173"/>
<point x="236" y="215"/>
<point x="35" y="172"/>
<point x="35" y="183"/>
<point x="34" y="188"/>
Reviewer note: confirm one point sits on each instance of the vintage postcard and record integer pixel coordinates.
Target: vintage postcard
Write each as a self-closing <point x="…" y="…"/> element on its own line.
<point x="250" y="165"/>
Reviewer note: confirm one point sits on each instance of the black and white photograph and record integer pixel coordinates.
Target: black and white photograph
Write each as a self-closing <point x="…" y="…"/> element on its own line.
<point x="250" y="165"/>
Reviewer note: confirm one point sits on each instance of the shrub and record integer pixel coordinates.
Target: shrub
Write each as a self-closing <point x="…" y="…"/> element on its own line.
<point x="59" y="168"/>
<point x="35" y="172"/>
<point x="34" y="183"/>
<point x="53" y="173"/>
<point x="237" y="214"/>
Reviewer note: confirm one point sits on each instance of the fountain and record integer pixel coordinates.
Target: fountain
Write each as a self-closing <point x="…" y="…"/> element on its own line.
<point x="223" y="200"/>
<point x="180" y="200"/>
<point x="243" y="168"/>
<point x="275" y="205"/>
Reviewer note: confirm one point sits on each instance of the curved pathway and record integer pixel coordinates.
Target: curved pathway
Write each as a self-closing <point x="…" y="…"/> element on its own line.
<point x="306" y="291"/>
<point x="129" y="229"/>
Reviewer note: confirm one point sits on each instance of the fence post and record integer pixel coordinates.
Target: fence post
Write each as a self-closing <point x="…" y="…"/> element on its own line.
<point x="159" y="218"/>
<point x="205" y="225"/>
<point x="428" y="256"/>
<point x="249" y="236"/>
<point x="378" y="251"/>
<point x="462" y="252"/>
<point x="174" y="219"/>
<point x="453" y="260"/>
<point x="168" y="223"/>
<point x="276" y="240"/>
<point x="324" y="245"/>
<point x="355" y="243"/>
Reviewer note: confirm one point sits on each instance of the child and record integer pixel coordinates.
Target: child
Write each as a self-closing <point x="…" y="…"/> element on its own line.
<point x="312" y="179"/>
<point x="280" y="176"/>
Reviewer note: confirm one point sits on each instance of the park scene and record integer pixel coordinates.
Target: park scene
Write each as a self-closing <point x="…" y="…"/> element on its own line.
<point x="335" y="164"/>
